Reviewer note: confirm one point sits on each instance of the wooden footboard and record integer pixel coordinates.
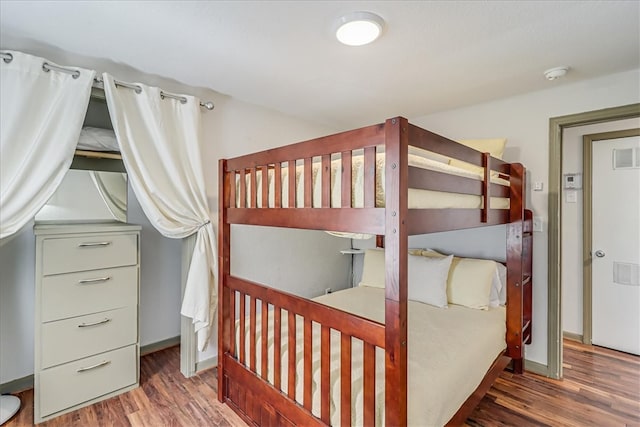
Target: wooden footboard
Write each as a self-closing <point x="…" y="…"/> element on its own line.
<point x="258" y="402"/>
<point x="269" y="389"/>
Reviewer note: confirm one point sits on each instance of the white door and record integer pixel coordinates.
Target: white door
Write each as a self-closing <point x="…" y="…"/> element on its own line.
<point x="616" y="244"/>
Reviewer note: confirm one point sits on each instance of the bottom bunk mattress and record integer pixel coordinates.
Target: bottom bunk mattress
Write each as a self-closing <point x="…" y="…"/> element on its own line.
<point x="450" y="351"/>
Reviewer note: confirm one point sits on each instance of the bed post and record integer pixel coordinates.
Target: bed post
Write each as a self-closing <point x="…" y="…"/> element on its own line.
<point x="515" y="276"/>
<point x="396" y="259"/>
<point x="224" y="239"/>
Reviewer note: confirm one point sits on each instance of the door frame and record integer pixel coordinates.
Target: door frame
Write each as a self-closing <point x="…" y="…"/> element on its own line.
<point x="587" y="222"/>
<point x="554" y="253"/>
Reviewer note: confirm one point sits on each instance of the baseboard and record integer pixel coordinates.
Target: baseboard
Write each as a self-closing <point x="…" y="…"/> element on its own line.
<point x="160" y="345"/>
<point x="207" y="363"/>
<point x="573" y="337"/>
<point x="16" y="386"/>
<point x="536" y="368"/>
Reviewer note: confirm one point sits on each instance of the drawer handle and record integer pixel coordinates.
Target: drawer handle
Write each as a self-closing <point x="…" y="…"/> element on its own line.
<point x="93" y="244"/>
<point x="100" y="322"/>
<point x="96" y="280"/>
<point x="97" y="365"/>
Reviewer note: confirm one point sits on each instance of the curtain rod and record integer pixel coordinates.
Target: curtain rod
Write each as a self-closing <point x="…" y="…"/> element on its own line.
<point x="98" y="82"/>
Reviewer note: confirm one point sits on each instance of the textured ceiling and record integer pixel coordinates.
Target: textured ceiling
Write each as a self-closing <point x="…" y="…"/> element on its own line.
<point x="433" y="55"/>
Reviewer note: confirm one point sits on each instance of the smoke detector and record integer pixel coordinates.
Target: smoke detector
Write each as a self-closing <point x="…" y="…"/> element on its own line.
<point x="556" y="73"/>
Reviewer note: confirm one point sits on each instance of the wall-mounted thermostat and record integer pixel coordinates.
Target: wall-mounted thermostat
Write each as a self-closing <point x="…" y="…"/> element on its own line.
<point x="573" y="181"/>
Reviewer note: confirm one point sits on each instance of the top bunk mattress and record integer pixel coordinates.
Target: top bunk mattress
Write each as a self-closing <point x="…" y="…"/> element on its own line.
<point x="418" y="199"/>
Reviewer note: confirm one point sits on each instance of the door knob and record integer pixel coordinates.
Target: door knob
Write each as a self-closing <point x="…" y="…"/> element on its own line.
<point x="600" y="253"/>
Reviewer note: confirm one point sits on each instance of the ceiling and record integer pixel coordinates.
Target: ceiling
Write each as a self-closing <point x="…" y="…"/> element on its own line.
<point x="432" y="56"/>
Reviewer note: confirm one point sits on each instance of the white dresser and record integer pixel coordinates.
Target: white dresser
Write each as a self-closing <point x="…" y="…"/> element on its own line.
<point x="86" y="315"/>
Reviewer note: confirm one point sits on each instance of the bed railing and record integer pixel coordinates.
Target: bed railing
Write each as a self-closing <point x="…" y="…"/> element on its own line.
<point x="255" y="181"/>
<point x="267" y="315"/>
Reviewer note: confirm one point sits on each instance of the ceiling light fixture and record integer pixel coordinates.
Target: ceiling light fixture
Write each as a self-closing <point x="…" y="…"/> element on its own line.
<point x="556" y="73"/>
<point x="359" y="28"/>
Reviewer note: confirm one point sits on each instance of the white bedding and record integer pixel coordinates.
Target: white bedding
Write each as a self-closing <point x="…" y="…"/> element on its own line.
<point x="97" y="139"/>
<point x="418" y="199"/>
<point x="450" y="351"/>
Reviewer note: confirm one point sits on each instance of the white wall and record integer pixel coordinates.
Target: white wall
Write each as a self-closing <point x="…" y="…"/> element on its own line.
<point x="231" y="129"/>
<point x="17" y="303"/>
<point x="572" y="262"/>
<point x="160" y="264"/>
<point x="524" y="120"/>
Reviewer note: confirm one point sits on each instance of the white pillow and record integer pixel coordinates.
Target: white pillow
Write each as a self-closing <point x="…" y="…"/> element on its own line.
<point x="427" y="276"/>
<point x="469" y="282"/>
<point x="498" y="289"/>
<point x="428" y="279"/>
<point x="373" y="271"/>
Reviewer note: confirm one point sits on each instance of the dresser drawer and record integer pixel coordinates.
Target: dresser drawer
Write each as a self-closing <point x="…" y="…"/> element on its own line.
<point x="78" y="337"/>
<point x="65" y="255"/>
<point x="77" y="382"/>
<point x="76" y="294"/>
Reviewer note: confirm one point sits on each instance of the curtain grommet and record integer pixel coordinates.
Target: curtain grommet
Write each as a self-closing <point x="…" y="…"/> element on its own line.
<point x="46" y="67"/>
<point x="164" y="95"/>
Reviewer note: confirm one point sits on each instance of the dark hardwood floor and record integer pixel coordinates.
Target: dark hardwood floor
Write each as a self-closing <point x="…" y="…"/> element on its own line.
<point x="600" y="388"/>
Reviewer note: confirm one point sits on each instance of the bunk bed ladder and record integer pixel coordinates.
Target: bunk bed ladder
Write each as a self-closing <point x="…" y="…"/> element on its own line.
<point x="519" y="275"/>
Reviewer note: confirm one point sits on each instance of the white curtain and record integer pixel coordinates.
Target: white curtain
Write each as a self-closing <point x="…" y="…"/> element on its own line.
<point x="160" y="145"/>
<point x="41" y="114"/>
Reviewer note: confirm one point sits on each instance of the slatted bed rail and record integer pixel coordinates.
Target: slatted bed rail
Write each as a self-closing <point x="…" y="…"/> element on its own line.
<point x="256" y="181"/>
<point x="264" y="315"/>
<point x="423" y="221"/>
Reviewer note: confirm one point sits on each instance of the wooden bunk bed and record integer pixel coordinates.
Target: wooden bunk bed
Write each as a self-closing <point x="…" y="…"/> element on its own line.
<point x="250" y="380"/>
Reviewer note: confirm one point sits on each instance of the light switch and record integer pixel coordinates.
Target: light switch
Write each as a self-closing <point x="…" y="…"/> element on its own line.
<point x="538" y="186"/>
<point x="571" y="196"/>
<point x="537" y="223"/>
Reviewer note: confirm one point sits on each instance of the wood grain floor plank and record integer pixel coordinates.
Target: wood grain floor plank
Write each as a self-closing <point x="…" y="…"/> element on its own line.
<point x="601" y="388"/>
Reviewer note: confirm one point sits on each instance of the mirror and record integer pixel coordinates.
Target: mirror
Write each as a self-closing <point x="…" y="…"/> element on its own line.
<point x="87" y="196"/>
